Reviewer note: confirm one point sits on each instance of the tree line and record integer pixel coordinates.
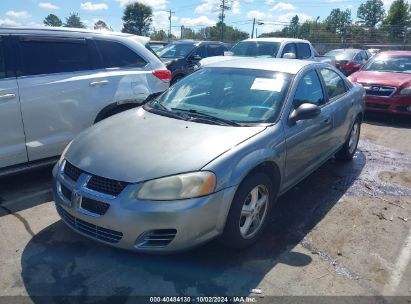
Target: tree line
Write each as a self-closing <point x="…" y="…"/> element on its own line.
<point x="374" y="24"/>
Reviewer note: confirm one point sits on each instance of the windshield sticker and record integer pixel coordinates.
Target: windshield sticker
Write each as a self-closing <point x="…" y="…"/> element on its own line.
<point x="268" y="84"/>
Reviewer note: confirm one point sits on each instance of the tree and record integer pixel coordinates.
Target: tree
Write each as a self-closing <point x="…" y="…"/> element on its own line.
<point x="101" y="25"/>
<point x="158" y="35"/>
<point x="137" y="19"/>
<point x="52" y="20"/>
<point x="371" y="12"/>
<point x="339" y="22"/>
<point x="398" y="18"/>
<point x="74" y="21"/>
<point x="231" y="34"/>
<point x="294" y="26"/>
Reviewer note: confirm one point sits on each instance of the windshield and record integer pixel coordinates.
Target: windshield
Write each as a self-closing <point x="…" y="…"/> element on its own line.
<point x="178" y="50"/>
<point x="230" y="94"/>
<point x="256" y="49"/>
<point x="342" y="54"/>
<point x="384" y="63"/>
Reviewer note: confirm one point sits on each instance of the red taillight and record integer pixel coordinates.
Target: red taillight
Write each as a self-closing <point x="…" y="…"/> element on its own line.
<point x="162" y="74"/>
<point x="347" y="66"/>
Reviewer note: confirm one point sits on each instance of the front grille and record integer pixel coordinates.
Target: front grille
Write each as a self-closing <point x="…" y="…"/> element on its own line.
<point x="156" y="238"/>
<point x="106" y="185"/>
<point x="71" y="171"/>
<point x="379" y="91"/>
<point x="99" y="233"/>
<point x="94" y="206"/>
<point x="377" y="105"/>
<point x="66" y="192"/>
<point x="402" y="109"/>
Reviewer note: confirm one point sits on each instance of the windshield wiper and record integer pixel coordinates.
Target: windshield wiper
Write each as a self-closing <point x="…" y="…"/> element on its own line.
<point x="207" y="117"/>
<point x="156" y="105"/>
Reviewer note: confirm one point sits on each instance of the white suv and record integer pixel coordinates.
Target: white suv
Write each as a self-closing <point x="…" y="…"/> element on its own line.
<point x="55" y="82"/>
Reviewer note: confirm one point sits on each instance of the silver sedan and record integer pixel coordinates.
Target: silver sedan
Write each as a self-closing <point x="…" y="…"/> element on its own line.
<point x="209" y="157"/>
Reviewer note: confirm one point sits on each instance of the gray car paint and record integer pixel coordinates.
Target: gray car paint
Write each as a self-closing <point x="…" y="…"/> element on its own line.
<point x="118" y="149"/>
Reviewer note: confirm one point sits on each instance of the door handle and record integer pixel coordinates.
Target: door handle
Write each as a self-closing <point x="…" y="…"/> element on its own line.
<point x="327" y="120"/>
<point x="98" y="83"/>
<point x="5" y="97"/>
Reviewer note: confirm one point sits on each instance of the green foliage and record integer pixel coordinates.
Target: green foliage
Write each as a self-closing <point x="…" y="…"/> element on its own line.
<point x="398" y="18"/>
<point x="137" y="19"/>
<point x="74" y="21"/>
<point x="158" y="35"/>
<point x="371" y="12"/>
<point x="101" y="25"/>
<point x="52" y="20"/>
<point x="294" y="26"/>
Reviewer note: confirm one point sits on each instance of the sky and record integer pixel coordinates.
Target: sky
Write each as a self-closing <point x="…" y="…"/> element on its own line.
<point x="194" y="13"/>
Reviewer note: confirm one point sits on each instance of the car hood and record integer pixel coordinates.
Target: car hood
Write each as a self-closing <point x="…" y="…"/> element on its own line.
<point x="215" y="59"/>
<point x="381" y="78"/>
<point x="137" y="145"/>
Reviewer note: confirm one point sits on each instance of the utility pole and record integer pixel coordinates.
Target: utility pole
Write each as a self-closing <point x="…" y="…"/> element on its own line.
<point x="182" y="31"/>
<point x="223" y="7"/>
<point x="252" y="32"/>
<point x="169" y="29"/>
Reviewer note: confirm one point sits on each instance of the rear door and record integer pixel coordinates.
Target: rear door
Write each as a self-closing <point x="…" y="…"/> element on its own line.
<point x="215" y="50"/>
<point x="303" y="50"/>
<point x="12" y="139"/>
<point x="60" y="93"/>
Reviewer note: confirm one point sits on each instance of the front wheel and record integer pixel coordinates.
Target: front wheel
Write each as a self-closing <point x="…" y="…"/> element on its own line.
<point x="348" y="149"/>
<point x="249" y="211"/>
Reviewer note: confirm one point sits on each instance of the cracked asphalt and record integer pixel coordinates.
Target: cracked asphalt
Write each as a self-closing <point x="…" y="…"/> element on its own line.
<point x="343" y="231"/>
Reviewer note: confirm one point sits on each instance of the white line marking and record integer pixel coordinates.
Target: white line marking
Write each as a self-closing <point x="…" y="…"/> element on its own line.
<point x="22" y="198"/>
<point x="399" y="268"/>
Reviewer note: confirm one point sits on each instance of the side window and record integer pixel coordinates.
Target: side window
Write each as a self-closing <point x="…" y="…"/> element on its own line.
<point x="304" y="50"/>
<point x="334" y="84"/>
<point x="309" y="90"/>
<point x="47" y="56"/>
<point x="215" y="50"/>
<point x="117" y="55"/>
<point x="358" y="58"/>
<point x="201" y="51"/>
<point x="290" y="48"/>
<point x="2" y="61"/>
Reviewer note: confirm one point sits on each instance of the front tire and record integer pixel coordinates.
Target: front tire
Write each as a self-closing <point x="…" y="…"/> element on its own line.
<point x="350" y="146"/>
<point x="249" y="211"/>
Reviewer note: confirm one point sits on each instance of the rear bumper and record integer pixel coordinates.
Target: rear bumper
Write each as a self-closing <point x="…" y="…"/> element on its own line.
<point x="395" y="104"/>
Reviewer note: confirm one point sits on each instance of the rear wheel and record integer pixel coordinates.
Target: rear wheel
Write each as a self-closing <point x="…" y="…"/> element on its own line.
<point x="249" y="211"/>
<point x="348" y="149"/>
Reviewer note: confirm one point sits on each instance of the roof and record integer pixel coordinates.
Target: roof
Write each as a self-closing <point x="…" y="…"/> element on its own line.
<point x="277" y="39"/>
<point x="346" y="50"/>
<point x="190" y="41"/>
<point x="395" y="53"/>
<point x="290" y="66"/>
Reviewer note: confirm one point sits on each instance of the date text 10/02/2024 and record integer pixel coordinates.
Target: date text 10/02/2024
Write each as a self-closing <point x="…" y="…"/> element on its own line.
<point x="202" y="299"/>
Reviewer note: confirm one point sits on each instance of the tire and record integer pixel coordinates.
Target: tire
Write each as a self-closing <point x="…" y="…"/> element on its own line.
<point x="347" y="151"/>
<point x="235" y="233"/>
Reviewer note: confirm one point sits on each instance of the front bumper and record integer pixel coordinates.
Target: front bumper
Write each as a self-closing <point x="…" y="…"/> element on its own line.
<point x="395" y="104"/>
<point x="147" y="226"/>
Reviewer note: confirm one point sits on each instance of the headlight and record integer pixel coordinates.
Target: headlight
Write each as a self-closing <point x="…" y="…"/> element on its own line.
<point x="183" y="186"/>
<point x="406" y="91"/>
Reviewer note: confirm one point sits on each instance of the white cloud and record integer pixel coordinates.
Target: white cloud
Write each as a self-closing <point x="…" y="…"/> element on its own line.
<point x="199" y="21"/>
<point x="213" y="7"/>
<point x="269" y="2"/>
<point x="283" y="6"/>
<point x="18" y="15"/>
<point x="248" y="1"/>
<point x="256" y="15"/>
<point x="48" y="5"/>
<point x="88" y="6"/>
<point x="279" y="22"/>
<point x="157" y="4"/>
<point x="160" y="20"/>
<point x="8" y="22"/>
<point x="387" y="4"/>
<point x="287" y="17"/>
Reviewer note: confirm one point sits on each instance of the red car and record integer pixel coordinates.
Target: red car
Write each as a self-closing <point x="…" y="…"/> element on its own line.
<point x="387" y="82"/>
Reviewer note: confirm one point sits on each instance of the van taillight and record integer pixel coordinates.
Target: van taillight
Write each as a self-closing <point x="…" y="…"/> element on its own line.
<point x="162" y="74"/>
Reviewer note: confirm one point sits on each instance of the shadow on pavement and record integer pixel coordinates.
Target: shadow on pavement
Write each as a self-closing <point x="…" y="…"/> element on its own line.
<point x="58" y="262"/>
<point x="387" y="119"/>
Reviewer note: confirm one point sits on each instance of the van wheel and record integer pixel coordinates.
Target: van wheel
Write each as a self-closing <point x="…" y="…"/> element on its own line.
<point x="350" y="146"/>
<point x="249" y="211"/>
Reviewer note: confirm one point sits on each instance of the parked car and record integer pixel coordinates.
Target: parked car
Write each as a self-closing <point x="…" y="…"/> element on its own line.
<point x="289" y="48"/>
<point x="387" y="82"/>
<point x="373" y="52"/>
<point x="208" y="157"/>
<point x="55" y="82"/>
<point x="182" y="57"/>
<point x="349" y="61"/>
<point x="157" y="45"/>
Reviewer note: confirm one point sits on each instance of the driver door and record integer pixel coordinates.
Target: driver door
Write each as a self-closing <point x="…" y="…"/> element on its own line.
<point x="308" y="142"/>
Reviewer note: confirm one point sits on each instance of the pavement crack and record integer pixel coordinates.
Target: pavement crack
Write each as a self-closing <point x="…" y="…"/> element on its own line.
<point x="20" y="218"/>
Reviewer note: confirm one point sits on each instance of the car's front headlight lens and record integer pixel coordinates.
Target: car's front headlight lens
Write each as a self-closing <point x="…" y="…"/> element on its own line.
<point x="182" y="186"/>
<point x="406" y="91"/>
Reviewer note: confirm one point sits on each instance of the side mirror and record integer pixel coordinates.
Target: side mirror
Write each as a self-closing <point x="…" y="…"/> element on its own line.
<point x="304" y="112"/>
<point x="195" y="57"/>
<point x="289" y="56"/>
